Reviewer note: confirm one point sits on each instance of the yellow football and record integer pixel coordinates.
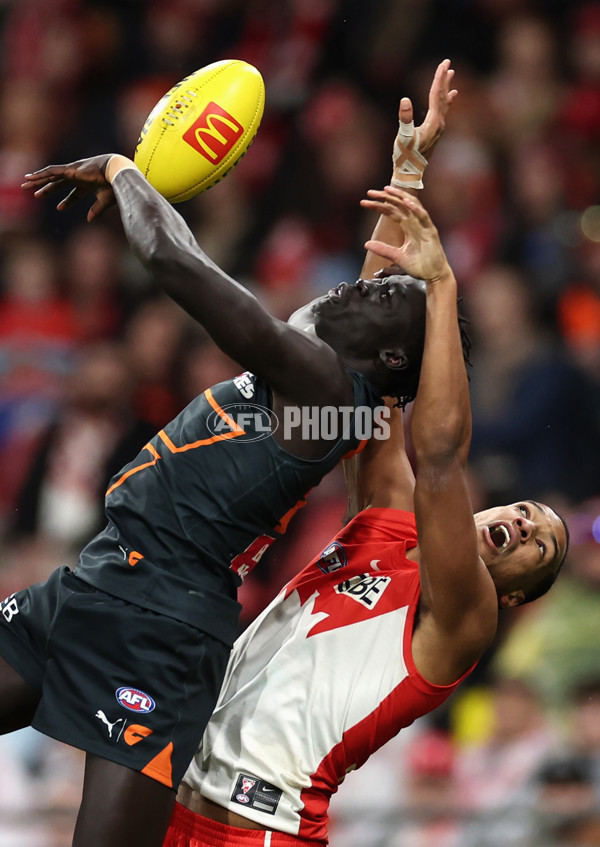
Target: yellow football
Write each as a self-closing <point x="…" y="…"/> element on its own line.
<point x="201" y="128"/>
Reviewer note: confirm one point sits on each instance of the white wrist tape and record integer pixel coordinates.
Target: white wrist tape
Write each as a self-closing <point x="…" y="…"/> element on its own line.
<point x="409" y="164"/>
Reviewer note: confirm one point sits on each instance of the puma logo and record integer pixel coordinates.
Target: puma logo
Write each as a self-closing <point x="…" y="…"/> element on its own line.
<point x="110" y="726"/>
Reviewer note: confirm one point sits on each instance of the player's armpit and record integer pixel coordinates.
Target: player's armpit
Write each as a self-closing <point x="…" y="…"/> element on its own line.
<point x="382" y="475"/>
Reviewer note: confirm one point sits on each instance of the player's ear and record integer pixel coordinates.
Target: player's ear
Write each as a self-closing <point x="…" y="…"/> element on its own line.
<point x="515" y="598"/>
<point x="395" y="360"/>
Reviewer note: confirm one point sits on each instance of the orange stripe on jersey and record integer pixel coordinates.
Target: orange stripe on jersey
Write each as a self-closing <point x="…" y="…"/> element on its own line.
<point x="236" y="430"/>
<point x="160" y="767"/>
<point x="356" y="450"/>
<point x="131" y="471"/>
<point x="222" y="413"/>
<point x="283" y="523"/>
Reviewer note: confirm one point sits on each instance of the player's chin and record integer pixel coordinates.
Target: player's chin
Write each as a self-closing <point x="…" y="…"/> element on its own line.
<point x="303" y="318"/>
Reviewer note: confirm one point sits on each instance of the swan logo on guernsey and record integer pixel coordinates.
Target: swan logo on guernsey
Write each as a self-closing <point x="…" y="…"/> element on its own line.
<point x="256" y="793"/>
<point x="135" y="700"/>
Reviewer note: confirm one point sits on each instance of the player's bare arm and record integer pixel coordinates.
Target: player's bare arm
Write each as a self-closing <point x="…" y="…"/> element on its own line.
<point x="459" y="604"/>
<point x="298" y="366"/>
<point x="424" y="137"/>
<point x="381" y="475"/>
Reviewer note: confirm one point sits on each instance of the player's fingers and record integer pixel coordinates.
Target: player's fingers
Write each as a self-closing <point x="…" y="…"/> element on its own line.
<point x="439" y="99"/>
<point x="382" y="249"/>
<point x="32" y="182"/>
<point x="405" y="111"/>
<point x="383" y="208"/>
<point x="50" y="188"/>
<point x="394" y="192"/>
<point x="410" y="203"/>
<point x="49" y="172"/>
<point x="439" y="83"/>
<point x="377" y="206"/>
<point x="377" y="194"/>
<point x="94" y="211"/>
<point x="446" y="87"/>
<point x="72" y="197"/>
<point x="385" y="203"/>
<point x="416" y="209"/>
<point x="103" y="202"/>
<point x="389" y="270"/>
<point x="398" y="195"/>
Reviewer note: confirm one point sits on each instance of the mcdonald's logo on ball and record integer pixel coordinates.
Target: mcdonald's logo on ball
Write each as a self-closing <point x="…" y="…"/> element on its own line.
<point x="201" y="128"/>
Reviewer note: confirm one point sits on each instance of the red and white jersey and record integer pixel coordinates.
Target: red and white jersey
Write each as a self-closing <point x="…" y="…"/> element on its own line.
<point x="319" y="681"/>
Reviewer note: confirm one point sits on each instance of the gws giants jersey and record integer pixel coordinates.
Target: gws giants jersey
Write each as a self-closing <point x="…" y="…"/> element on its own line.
<point x="322" y="679"/>
<point x="202" y="502"/>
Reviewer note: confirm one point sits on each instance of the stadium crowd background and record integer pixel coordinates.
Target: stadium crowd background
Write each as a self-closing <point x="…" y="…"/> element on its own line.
<point x="93" y="359"/>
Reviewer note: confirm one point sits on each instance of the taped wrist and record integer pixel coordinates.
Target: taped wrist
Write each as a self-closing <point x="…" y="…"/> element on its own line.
<point x="408" y="163"/>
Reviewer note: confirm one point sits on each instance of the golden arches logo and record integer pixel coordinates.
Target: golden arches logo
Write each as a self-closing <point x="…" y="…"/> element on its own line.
<point x="214" y="133"/>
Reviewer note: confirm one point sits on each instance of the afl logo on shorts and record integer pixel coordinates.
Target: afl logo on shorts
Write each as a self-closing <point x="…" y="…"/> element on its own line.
<point x="135" y="700"/>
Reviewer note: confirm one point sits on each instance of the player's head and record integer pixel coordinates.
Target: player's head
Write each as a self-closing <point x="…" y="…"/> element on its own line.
<point x="523" y="546"/>
<point x="376" y="327"/>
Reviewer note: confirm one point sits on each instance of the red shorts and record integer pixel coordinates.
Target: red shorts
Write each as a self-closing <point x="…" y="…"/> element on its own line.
<point x="187" y="829"/>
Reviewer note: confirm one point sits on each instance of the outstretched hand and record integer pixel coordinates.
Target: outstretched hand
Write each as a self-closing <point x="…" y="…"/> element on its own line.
<point x="421" y="255"/>
<point x="441" y="98"/>
<point x="413" y="146"/>
<point x="86" y="175"/>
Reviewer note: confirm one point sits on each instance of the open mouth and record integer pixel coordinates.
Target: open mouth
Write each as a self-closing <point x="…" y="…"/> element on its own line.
<point x="338" y="293"/>
<point x="499" y="536"/>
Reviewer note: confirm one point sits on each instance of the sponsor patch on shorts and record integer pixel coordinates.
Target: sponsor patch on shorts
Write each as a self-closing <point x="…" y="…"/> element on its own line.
<point x="255" y="793"/>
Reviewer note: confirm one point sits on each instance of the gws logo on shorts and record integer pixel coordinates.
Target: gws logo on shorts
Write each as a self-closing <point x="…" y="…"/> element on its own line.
<point x="364" y="588"/>
<point x="332" y="558"/>
<point x="135" y="700"/>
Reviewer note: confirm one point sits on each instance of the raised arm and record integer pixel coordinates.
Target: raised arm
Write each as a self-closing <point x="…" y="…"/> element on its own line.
<point x="297" y="365"/>
<point x="381" y="474"/>
<point x="459" y="603"/>
<point x="413" y="147"/>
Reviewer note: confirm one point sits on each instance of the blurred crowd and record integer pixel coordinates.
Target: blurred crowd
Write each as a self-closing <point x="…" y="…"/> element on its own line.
<point x="93" y="359"/>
